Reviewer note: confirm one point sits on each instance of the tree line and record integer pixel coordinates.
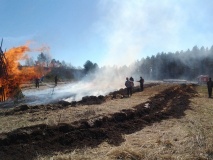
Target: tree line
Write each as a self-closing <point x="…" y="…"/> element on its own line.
<point x="51" y="67"/>
<point x="179" y="65"/>
<point x="184" y="64"/>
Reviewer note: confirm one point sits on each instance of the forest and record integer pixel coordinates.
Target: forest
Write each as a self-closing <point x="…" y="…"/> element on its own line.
<point x="184" y="64"/>
<point x="187" y="65"/>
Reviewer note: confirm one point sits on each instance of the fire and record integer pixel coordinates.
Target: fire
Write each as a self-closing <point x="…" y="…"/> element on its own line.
<point x="16" y="74"/>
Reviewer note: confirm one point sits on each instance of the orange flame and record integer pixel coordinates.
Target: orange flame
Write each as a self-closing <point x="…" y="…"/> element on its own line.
<point x="17" y="74"/>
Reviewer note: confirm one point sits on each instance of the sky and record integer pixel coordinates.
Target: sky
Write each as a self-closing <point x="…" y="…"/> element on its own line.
<point x="106" y="32"/>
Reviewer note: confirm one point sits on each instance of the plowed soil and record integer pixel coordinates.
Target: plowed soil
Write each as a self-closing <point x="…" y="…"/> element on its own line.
<point x="43" y="139"/>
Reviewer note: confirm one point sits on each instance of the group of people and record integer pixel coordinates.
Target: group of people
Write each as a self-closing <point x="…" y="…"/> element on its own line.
<point x="130" y="84"/>
<point x="38" y="81"/>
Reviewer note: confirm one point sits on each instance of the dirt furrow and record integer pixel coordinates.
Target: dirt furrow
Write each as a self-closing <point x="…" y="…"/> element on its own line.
<point x="28" y="142"/>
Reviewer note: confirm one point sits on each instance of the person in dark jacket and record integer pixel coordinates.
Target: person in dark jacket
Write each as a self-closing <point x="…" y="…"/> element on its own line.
<point x="131" y="79"/>
<point x="141" y="83"/>
<point x="209" y="86"/>
<point x="56" y="80"/>
<point x="132" y="84"/>
<point x="128" y="87"/>
<point x="37" y="82"/>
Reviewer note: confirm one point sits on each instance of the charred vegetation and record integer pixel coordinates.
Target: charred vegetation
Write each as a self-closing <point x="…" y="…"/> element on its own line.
<point x="27" y="142"/>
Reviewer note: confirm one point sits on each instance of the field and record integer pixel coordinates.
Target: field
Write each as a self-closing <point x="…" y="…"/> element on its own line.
<point x="164" y="122"/>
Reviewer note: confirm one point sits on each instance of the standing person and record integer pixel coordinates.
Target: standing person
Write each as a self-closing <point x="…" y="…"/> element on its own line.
<point x="132" y="84"/>
<point x="209" y="86"/>
<point x="131" y="79"/>
<point x="141" y="83"/>
<point x="56" y="80"/>
<point x="37" y="82"/>
<point x="128" y="86"/>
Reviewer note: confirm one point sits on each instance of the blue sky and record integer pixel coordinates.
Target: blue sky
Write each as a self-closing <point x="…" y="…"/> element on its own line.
<point x="107" y="32"/>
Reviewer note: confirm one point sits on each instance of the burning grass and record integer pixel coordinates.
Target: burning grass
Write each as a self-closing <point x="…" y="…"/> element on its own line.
<point x="175" y="124"/>
<point x="13" y="75"/>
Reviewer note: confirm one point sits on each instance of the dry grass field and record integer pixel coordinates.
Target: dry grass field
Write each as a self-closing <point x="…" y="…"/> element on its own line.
<point x="164" y="122"/>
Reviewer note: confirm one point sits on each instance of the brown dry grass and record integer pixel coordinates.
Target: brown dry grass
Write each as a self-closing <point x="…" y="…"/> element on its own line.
<point x="188" y="138"/>
<point x="71" y="114"/>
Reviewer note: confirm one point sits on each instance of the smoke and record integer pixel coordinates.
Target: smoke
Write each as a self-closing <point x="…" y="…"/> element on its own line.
<point x="130" y="30"/>
<point x="101" y="82"/>
<point x="121" y="28"/>
<point x="135" y="29"/>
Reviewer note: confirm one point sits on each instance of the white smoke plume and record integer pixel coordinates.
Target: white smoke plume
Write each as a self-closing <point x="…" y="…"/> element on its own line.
<point x="133" y="29"/>
<point x="123" y="45"/>
<point x="102" y="82"/>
